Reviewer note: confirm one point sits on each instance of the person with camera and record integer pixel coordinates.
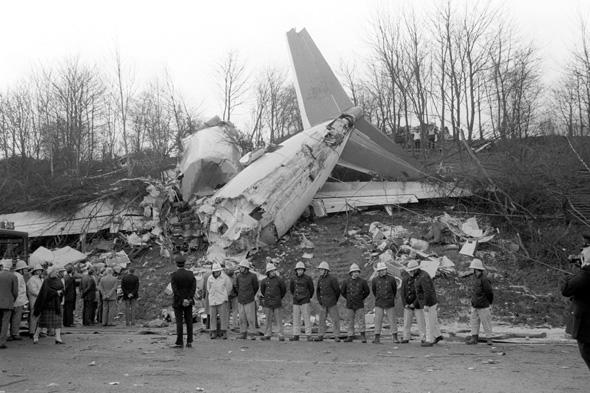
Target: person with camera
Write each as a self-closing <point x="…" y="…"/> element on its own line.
<point x="577" y="288"/>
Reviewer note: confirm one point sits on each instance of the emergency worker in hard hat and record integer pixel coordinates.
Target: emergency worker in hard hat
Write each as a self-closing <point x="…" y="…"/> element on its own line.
<point x="355" y="290"/>
<point x="577" y="288"/>
<point x="327" y="293"/>
<point x="482" y="296"/>
<point x="219" y="286"/>
<point x="384" y="289"/>
<point x="301" y="288"/>
<point x="246" y="286"/>
<point x="412" y="307"/>
<point x="273" y="290"/>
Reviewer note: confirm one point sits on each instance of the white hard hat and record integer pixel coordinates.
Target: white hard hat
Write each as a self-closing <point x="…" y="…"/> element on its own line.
<point x="412" y="265"/>
<point x="245" y="264"/>
<point x="354" y="268"/>
<point x="20" y="265"/>
<point x="324" y="265"/>
<point x="300" y="265"/>
<point x="477" y="264"/>
<point x="381" y="266"/>
<point x="216" y="267"/>
<point x="36" y="267"/>
<point x="270" y="267"/>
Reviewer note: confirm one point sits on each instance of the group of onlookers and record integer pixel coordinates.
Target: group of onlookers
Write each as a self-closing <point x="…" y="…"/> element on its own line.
<point x="418" y="297"/>
<point x="50" y="292"/>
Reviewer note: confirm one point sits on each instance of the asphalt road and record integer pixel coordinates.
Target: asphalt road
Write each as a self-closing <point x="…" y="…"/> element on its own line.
<point x="123" y="360"/>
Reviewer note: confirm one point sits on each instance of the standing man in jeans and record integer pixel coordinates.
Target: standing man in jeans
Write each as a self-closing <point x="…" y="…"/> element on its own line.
<point x="327" y="293"/>
<point x="246" y="288"/>
<point x="130" y="288"/>
<point x="384" y="289"/>
<point x="427" y="298"/>
<point x="184" y="286"/>
<point x="302" y="290"/>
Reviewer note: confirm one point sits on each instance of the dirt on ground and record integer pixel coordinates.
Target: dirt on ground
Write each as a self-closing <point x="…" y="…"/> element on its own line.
<point x="128" y="360"/>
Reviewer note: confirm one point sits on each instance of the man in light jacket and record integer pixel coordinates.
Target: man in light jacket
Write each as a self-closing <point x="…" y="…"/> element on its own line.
<point x="20" y="302"/>
<point x="219" y="286"/>
<point x="108" y="290"/>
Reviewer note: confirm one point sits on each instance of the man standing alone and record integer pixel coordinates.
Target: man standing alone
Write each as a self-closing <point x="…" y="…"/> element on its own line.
<point x="130" y="289"/>
<point x="184" y="287"/>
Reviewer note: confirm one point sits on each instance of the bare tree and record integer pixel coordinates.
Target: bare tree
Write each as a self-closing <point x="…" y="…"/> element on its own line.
<point x="233" y="79"/>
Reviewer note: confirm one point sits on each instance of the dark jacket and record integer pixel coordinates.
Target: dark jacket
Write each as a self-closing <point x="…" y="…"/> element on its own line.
<point x="327" y="291"/>
<point x="384" y="289"/>
<point x="184" y="286"/>
<point x="408" y="291"/>
<point x="48" y="298"/>
<point x="8" y="290"/>
<point x="355" y="292"/>
<point x="482" y="294"/>
<point x="273" y="289"/>
<point x="578" y="288"/>
<point x="130" y="286"/>
<point x="246" y="287"/>
<point x="70" y="290"/>
<point x="425" y="289"/>
<point x="88" y="288"/>
<point x="302" y="289"/>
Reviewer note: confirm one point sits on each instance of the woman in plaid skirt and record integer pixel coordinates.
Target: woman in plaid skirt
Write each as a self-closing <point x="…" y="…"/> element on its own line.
<point x="48" y="304"/>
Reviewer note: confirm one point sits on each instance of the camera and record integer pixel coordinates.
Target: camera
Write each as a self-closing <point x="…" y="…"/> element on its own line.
<point x="575" y="259"/>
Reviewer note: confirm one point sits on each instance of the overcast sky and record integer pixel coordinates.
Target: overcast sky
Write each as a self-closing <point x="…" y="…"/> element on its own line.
<point x="188" y="38"/>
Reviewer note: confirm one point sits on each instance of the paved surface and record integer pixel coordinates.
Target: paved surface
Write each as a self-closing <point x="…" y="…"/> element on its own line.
<point x="133" y="362"/>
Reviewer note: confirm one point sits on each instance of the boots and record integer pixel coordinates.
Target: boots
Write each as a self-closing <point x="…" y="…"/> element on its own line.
<point x="294" y="338"/>
<point x="377" y="339"/>
<point x="489" y="341"/>
<point x="224" y="334"/>
<point x="396" y="339"/>
<point x="472" y="340"/>
<point x="363" y="338"/>
<point x="243" y="336"/>
<point x="319" y="338"/>
<point x="213" y="335"/>
<point x="349" y="339"/>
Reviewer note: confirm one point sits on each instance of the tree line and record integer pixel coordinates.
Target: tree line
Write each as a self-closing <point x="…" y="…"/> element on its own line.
<point x="465" y="70"/>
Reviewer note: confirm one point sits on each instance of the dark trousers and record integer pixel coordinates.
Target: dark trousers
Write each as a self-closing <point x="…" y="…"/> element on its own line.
<point x="184" y="315"/>
<point x="69" y="313"/>
<point x="585" y="352"/>
<point x="88" y="313"/>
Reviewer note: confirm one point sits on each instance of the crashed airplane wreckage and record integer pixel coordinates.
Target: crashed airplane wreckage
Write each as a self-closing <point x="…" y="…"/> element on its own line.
<point x="261" y="203"/>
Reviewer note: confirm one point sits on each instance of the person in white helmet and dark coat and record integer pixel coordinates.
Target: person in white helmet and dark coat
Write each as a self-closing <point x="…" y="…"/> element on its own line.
<point x="219" y="286"/>
<point x="301" y="288"/>
<point x="410" y="302"/>
<point x="246" y="286"/>
<point x="482" y="296"/>
<point x="327" y="292"/>
<point x="273" y="289"/>
<point x="384" y="289"/>
<point x="426" y="294"/>
<point x="355" y="290"/>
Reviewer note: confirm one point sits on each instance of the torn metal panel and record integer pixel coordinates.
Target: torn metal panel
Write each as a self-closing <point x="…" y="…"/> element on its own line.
<point x="338" y="197"/>
<point x="321" y="97"/>
<point x="263" y="201"/>
<point x="210" y="160"/>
